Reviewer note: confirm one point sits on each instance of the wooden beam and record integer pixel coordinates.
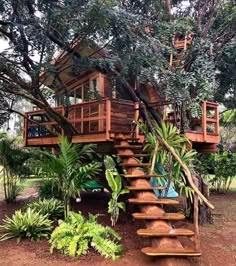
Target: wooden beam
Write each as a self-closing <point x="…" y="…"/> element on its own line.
<point x="108" y="118"/>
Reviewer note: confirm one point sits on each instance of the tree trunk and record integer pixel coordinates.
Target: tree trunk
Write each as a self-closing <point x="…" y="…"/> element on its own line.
<point x="205" y="215"/>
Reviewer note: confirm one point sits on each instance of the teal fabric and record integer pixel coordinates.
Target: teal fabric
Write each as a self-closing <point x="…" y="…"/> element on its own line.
<point x="162" y="182"/>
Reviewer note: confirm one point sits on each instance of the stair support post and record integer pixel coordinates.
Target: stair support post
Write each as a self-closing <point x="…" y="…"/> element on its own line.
<point x="195" y="218"/>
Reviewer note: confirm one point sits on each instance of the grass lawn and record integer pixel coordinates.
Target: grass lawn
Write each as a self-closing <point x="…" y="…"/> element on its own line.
<point x="233" y="185"/>
<point x="29" y="182"/>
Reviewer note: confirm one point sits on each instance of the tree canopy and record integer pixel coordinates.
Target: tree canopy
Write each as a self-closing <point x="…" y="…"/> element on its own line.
<point x="35" y="30"/>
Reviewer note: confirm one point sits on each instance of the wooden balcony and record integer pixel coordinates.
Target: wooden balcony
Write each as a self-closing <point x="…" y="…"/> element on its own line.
<point x="95" y="121"/>
<point x="203" y="131"/>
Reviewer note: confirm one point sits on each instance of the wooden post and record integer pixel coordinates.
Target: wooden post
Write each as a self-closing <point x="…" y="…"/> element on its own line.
<point x="217" y="129"/>
<point x="63" y="113"/>
<point x="171" y="59"/>
<point x="136" y="117"/>
<point x="154" y="157"/>
<point x="195" y="218"/>
<point x="204" y="118"/>
<point x="108" y="118"/>
<point x="185" y="43"/>
<point x="25" y="133"/>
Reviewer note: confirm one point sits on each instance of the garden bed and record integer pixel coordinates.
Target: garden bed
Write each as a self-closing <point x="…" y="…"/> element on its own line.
<point x="218" y="240"/>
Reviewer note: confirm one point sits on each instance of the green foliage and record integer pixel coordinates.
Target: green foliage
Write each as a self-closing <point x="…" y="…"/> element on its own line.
<point x="49" y="189"/>
<point x="53" y="208"/>
<point x="115" y="183"/>
<point x="13" y="166"/>
<point x="218" y="169"/>
<point x="29" y="224"/>
<point x="229" y="118"/>
<point x="178" y="143"/>
<point x="70" y="169"/>
<point x="75" y="235"/>
<point x="227" y="136"/>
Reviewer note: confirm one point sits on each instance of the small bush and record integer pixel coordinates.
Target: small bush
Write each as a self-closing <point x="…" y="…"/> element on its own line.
<point x="49" y="189"/>
<point x="53" y="208"/>
<point x="28" y="224"/>
<point x="75" y="235"/>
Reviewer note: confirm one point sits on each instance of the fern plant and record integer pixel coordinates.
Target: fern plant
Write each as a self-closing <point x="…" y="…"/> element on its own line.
<point x="115" y="183"/>
<point x="53" y="208"/>
<point x="75" y="235"/>
<point x="29" y="224"/>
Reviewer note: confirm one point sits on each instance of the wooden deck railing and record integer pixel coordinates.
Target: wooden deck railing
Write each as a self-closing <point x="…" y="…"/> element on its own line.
<point x="202" y="129"/>
<point x="93" y="117"/>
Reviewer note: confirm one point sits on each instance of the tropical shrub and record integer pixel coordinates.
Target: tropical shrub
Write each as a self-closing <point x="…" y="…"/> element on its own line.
<point x="115" y="183"/>
<point x="29" y="224"/>
<point x="13" y="168"/>
<point x="75" y="235"/>
<point x="49" y="189"/>
<point x="180" y="144"/>
<point x="218" y="169"/>
<point x="53" y="208"/>
<point x="69" y="169"/>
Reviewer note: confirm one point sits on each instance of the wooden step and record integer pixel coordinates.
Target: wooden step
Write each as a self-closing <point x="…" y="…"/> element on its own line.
<point x="163" y="233"/>
<point x="157" y="201"/>
<point x="164" y="216"/>
<point x="134" y="155"/>
<point x="145" y="188"/>
<point x="180" y="252"/>
<point x="138" y="164"/>
<point x="131" y="147"/>
<point x="145" y="176"/>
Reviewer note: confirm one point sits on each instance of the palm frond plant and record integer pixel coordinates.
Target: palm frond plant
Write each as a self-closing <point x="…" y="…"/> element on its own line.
<point x="29" y="224"/>
<point x="75" y="235"/>
<point x="70" y="169"/>
<point x="179" y="143"/>
<point x="53" y="208"/>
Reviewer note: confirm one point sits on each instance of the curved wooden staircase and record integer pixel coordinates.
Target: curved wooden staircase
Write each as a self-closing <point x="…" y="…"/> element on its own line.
<point x="164" y="238"/>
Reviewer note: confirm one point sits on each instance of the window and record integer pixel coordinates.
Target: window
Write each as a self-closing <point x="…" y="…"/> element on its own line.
<point x="79" y="95"/>
<point x="94" y="85"/>
<point x="86" y="91"/>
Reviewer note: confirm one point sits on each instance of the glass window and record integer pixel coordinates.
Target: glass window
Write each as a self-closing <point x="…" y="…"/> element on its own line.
<point x="86" y="91"/>
<point x="79" y="95"/>
<point x="94" y="86"/>
<point x="71" y="97"/>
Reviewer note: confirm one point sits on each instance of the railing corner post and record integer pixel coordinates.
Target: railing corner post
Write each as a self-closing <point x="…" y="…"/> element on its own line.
<point x="108" y="118"/>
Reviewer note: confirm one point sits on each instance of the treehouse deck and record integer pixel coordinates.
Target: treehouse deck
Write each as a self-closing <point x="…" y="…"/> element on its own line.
<point x="98" y="120"/>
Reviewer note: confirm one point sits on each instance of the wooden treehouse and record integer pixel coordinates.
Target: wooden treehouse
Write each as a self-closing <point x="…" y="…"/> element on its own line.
<point x="103" y="113"/>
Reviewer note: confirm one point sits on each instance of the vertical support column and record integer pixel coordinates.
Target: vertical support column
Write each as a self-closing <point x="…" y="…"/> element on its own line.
<point x="108" y="118"/>
<point x="217" y="125"/>
<point x="171" y="59"/>
<point x="204" y="117"/>
<point x="63" y="113"/>
<point x="101" y="85"/>
<point x="25" y="133"/>
<point x="136" y="117"/>
<point x="185" y="43"/>
<point x="195" y="218"/>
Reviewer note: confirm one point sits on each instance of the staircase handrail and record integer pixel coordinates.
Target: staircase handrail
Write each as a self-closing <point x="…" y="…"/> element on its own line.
<point x="185" y="168"/>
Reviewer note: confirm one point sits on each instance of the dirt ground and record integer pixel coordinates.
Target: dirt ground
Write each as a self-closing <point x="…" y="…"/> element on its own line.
<point x="218" y="241"/>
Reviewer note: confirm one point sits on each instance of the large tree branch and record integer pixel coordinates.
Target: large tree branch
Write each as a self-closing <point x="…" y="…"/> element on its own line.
<point x="210" y="20"/>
